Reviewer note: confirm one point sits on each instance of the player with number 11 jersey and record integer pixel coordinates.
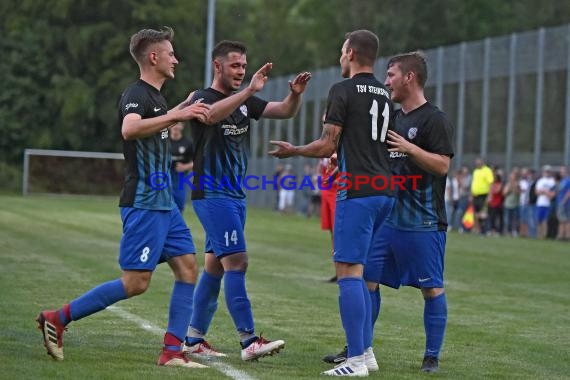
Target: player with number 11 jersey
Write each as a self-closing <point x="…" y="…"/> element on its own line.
<point x="362" y="106"/>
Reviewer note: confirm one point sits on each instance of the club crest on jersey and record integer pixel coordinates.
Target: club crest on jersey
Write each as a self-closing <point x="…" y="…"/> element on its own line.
<point x="181" y="149"/>
<point x="412" y="132"/>
<point x="243" y="110"/>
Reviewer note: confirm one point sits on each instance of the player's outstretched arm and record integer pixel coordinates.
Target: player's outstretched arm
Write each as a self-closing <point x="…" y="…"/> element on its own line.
<point x="135" y="127"/>
<point x="224" y="108"/>
<point x="292" y="102"/>
<point x="323" y="147"/>
<point x="436" y="164"/>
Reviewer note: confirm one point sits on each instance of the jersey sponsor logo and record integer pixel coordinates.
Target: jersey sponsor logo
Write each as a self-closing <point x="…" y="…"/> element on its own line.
<point x="233" y="130"/>
<point x="412" y="132"/>
<point x="156" y="109"/>
<point x="243" y="110"/>
<point x="398" y="155"/>
<point x="131" y="105"/>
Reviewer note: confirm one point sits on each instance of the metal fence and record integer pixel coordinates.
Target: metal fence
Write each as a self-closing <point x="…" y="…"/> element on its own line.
<point x="508" y="98"/>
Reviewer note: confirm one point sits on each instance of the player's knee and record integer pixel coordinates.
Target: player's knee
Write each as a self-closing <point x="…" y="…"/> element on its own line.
<point x="136" y="284"/>
<point x="429" y="293"/>
<point x="235" y="262"/>
<point x="185" y="268"/>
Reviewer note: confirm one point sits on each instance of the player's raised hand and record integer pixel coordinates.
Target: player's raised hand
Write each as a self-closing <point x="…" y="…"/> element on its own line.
<point x="260" y="77"/>
<point x="298" y="84"/>
<point x="283" y="149"/>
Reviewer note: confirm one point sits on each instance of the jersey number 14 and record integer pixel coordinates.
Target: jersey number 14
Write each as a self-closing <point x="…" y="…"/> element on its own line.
<point x="385" y="118"/>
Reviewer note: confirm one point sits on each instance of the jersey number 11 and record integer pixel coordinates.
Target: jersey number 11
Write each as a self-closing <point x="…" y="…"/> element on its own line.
<point x="385" y="118"/>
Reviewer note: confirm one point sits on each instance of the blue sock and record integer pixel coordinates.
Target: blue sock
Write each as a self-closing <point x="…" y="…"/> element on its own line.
<point x="237" y="301"/>
<point x="97" y="299"/>
<point x="180" y="309"/>
<point x="352" y="310"/>
<point x="435" y="317"/>
<point x="368" y="326"/>
<point x="205" y="302"/>
<point x="375" y="301"/>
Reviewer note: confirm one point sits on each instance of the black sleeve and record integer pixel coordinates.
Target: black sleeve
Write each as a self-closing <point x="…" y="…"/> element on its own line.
<point x="337" y="102"/>
<point x="255" y="107"/>
<point x="133" y="101"/>
<point x="439" y="135"/>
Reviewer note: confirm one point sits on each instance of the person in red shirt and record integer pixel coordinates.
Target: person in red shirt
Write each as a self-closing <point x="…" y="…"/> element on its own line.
<point x="495" y="204"/>
<point x="329" y="169"/>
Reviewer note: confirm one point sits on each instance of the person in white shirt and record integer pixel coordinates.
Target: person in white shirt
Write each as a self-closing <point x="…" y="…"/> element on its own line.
<point x="545" y="192"/>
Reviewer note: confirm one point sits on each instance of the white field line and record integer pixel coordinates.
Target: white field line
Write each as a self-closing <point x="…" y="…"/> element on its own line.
<point x="226" y="369"/>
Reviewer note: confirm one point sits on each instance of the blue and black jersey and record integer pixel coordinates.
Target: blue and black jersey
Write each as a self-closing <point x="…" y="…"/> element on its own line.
<point x="421" y="206"/>
<point x="361" y="105"/>
<point x="145" y="157"/>
<point x="222" y="150"/>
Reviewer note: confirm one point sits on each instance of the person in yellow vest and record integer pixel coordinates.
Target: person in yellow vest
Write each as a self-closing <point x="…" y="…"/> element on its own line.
<point x="481" y="181"/>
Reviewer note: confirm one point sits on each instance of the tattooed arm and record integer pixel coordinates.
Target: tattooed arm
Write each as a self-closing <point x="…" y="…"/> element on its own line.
<point x="323" y="147"/>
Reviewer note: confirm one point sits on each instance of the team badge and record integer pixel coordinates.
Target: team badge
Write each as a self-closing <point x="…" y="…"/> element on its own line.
<point x="181" y="149"/>
<point x="412" y="132"/>
<point x="243" y="110"/>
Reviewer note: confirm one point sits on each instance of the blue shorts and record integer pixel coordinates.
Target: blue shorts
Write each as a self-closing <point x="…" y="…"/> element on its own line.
<point x="542" y="213"/>
<point x="356" y="220"/>
<point x="151" y="237"/>
<point x="409" y="258"/>
<point x="223" y="220"/>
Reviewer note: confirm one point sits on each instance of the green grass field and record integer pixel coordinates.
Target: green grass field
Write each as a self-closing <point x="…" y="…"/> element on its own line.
<point x="509" y="302"/>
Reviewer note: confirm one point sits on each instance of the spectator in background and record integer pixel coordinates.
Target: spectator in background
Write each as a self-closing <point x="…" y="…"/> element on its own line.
<point x="306" y="190"/>
<point x="182" y="152"/>
<point x="495" y="206"/>
<point x="277" y="175"/>
<point x="544" y="190"/>
<point x="481" y="182"/>
<point x="315" y="204"/>
<point x="563" y="206"/>
<point x="532" y="197"/>
<point x="524" y="188"/>
<point x="552" y="220"/>
<point x="511" y="191"/>
<point x="464" y="178"/>
<point x="452" y="197"/>
<point x="287" y="190"/>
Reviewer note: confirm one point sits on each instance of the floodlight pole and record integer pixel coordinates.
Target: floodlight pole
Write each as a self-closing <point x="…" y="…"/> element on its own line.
<point x="209" y="42"/>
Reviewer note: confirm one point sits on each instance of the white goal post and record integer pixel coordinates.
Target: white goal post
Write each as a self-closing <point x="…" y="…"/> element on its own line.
<point x="29" y="154"/>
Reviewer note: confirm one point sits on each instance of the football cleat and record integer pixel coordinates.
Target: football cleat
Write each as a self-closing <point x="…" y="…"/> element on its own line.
<point x="202" y="349"/>
<point x="170" y="358"/>
<point x="430" y="364"/>
<point x="336" y="358"/>
<point x="370" y="360"/>
<point x="261" y="347"/>
<point x="347" y="368"/>
<point x="52" y="330"/>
